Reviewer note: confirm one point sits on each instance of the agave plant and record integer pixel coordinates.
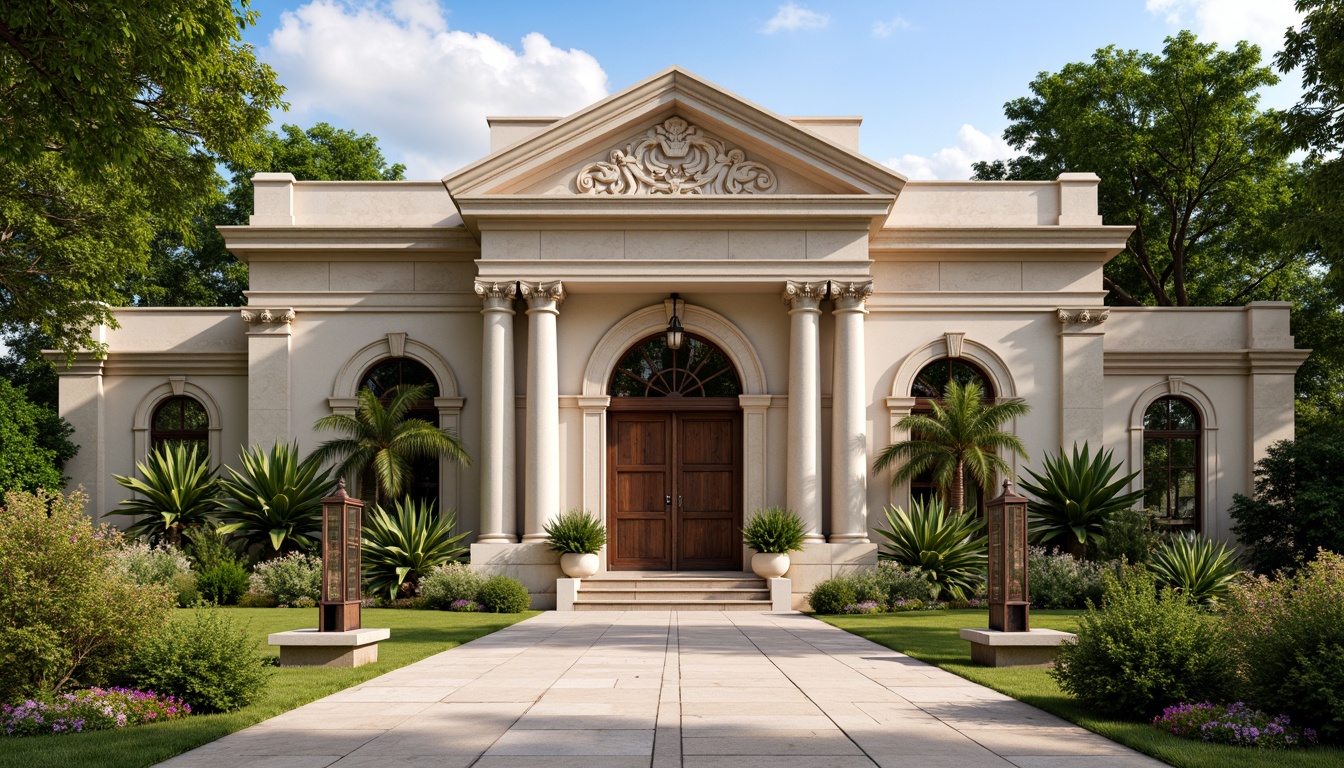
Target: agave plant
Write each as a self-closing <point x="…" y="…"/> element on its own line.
<point x="274" y="505"/>
<point x="401" y="547"/>
<point x="1202" y="569"/>
<point x="179" y="491"/>
<point x="944" y="546"/>
<point x="1074" y="499"/>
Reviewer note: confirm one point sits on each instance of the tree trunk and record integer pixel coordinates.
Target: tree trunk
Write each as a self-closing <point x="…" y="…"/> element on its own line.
<point x="959" y="487"/>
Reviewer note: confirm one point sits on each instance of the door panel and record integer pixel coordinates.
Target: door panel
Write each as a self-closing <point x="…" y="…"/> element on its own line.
<point x="708" y="480"/>
<point x="640" y="487"/>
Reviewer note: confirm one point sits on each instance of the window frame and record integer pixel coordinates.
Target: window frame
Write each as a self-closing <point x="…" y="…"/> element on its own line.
<point x="159" y="437"/>
<point x="922" y="486"/>
<point x="1195" y="434"/>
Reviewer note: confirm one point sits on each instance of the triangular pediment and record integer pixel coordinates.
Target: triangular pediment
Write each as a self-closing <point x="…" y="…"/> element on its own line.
<point x="672" y="135"/>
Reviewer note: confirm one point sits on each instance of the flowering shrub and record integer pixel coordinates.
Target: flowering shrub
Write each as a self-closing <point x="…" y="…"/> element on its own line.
<point x="1235" y="724"/>
<point x="1062" y="581"/>
<point x="449" y="584"/>
<point x="288" y="578"/>
<point x="145" y="564"/>
<point x="95" y="709"/>
<point x="912" y="604"/>
<point x="975" y="602"/>
<point x="208" y="659"/>
<point x="464" y="606"/>
<point x="865" y="607"/>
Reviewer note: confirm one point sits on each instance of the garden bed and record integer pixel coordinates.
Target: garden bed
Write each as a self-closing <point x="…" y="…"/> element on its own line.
<point x="415" y="635"/>
<point x="931" y="636"/>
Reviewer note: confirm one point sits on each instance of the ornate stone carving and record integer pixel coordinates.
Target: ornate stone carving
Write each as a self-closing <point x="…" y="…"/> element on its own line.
<point x="676" y="158"/>
<point x="1083" y="316"/>
<point x="539" y="294"/>
<point x="255" y="316"/>
<point x="850" y="295"/>
<point x="798" y="295"/>
<point x="496" y="291"/>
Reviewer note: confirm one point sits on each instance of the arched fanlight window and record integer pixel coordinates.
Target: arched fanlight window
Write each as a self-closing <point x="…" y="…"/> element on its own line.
<point x="1171" y="476"/>
<point x="180" y="419"/>
<point x="697" y="369"/>
<point x="928" y="387"/>
<point x="382" y="378"/>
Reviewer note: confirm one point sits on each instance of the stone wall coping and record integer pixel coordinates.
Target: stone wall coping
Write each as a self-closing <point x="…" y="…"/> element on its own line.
<point x="1033" y="637"/>
<point x="312" y="637"/>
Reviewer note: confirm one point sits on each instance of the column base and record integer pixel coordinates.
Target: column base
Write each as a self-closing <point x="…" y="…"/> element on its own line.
<point x="497" y="538"/>
<point x="529" y="537"/>
<point x="849" y="538"/>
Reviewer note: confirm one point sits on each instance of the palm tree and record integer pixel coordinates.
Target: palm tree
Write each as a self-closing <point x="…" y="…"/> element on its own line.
<point x="380" y="437"/>
<point x="961" y="435"/>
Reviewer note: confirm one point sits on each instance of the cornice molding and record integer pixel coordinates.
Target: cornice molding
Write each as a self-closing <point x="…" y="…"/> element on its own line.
<point x="246" y="241"/>
<point x="1106" y="240"/>
<point x="1189" y="361"/>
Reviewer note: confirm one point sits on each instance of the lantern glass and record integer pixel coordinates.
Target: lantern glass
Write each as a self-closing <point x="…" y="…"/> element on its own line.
<point x="675" y="334"/>
<point x="333" y="560"/>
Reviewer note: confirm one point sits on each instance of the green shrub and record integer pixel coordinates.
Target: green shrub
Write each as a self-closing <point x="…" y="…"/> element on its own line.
<point x="774" y="530"/>
<point x="1062" y="581"/>
<point x="254" y="600"/>
<point x="163" y="566"/>
<point x="832" y="595"/>
<point x="503" y="594"/>
<point x="275" y="504"/>
<point x="1298" y="505"/>
<point x="208" y="660"/>
<point x="889" y="582"/>
<point x="946" y="548"/>
<point x="401" y="547"/>
<point x="1128" y="535"/>
<point x="1143" y="650"/>
<point x="286" y="579"/>
<point x="576" y="532"/>
<point x="1075" y="497"/>
<point x="208" y="548"/>
<point x="223" y="584"/>
<point x="68" y="616"/>
<point x="447" y="584"/>
<point x="179" y="493"/>
<point x="1200" y="568"/>
<point x="184" y="587"/>
<point x="1289" y="635"/>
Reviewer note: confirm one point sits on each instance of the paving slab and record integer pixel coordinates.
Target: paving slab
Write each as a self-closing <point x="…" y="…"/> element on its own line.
<point x="657" y="689"/>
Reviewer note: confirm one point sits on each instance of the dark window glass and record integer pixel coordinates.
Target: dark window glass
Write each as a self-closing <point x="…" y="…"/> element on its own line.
<point x="180" y="419"/>
<point x="382" y="378"/>
<point x="698" y="369"/>
<point x="929" y="386"/>
<point x="1171" y="477"/>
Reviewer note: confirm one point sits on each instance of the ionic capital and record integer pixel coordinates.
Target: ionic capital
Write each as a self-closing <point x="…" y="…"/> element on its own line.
<point x="803" y="295"/>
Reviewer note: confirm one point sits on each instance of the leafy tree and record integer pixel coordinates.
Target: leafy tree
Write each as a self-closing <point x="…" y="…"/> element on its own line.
<point x="1298" y="505"/>
<point x="1185" y="156"/>
<point x="963" y="435"/>
<point x="380" y="437"/>
<point x="114" y="116"/>
<point x="33" y="443"/>
<point x="196" y="269"/>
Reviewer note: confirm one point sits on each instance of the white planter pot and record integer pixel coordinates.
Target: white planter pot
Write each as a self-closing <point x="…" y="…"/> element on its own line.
<point x="578" y="566"/>
<point x="770" y="565"/>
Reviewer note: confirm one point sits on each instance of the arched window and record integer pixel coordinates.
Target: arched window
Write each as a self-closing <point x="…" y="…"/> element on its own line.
<point x="1171" y="477"/>
<point x="698" y="369"/>
<point x="180" y="419"/>
<point x="382" y="378"/>
<point x="929" y="386"/>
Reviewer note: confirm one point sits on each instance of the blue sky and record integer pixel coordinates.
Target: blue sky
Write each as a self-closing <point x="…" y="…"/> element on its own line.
<point x="929" y="78"/>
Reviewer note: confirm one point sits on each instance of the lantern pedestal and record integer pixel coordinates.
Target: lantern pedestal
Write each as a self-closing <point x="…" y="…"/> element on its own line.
<point x="313" y="648"/>
<point x="1034" y="648"/>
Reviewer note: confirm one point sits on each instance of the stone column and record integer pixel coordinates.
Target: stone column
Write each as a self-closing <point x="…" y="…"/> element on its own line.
<point x="268" y="375"/>
<point x="803" y="483"/>
<point x="541" y="483"/>
<point x="499" y="522"/>
<point x="849" y="423"/>
<point x="1081" y="365"/>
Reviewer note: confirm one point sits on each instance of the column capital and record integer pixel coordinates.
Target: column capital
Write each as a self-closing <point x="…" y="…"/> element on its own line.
<point x="850" y="296"/>
<point x="802" y="295"/>
<point x="497" y="295"/>
<point x="543" y="295"/>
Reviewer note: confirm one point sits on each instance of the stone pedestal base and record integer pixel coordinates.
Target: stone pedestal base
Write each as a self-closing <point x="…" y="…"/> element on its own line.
<point x="1037" y="648"/>
<point x="311" y="648"/>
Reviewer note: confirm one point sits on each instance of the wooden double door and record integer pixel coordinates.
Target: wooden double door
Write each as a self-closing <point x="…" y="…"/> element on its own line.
<point x="675" y="490"/>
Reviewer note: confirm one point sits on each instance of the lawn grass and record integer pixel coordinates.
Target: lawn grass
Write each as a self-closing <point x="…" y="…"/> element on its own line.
<point x="415" y="635"/>
<point x="932" y="636"/>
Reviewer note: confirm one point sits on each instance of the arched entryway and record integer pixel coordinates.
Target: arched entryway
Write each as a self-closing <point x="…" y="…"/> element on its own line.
<point x="674" y="458"/>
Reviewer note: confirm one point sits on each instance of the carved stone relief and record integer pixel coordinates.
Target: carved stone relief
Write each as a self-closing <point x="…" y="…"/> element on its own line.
<point x="1083" y="316"/>
<point x="252" y="317"/>
<point x="676" y="158"/>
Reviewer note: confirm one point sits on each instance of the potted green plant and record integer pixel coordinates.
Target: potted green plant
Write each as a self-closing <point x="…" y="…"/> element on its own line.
<point x="773" y="532"/>
<point x="577" y="535"/>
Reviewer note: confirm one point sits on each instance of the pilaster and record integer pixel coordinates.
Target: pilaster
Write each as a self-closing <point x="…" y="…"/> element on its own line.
<point x="268" y="374"/>
<point x="1082" y="381"/>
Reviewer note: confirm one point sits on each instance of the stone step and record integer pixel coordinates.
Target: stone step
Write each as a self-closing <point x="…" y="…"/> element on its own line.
<point x="687" y="584"/>
<point x="671" y="605"/>
<point x="605" y="593"/>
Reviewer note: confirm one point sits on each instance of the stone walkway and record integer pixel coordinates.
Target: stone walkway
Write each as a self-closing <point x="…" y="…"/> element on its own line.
<point x="657" y="690"/>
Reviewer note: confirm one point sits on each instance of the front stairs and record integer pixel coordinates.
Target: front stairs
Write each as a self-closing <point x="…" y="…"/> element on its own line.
<point x="673" y="591"/>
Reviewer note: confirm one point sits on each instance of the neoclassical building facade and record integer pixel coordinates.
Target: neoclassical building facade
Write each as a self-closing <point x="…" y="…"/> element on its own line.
<point x="822" y="296"/>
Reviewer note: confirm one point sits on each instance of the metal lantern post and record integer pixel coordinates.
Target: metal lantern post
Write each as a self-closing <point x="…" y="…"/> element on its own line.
<point x="342" y="545"/>
<point x="1009" y="600"/>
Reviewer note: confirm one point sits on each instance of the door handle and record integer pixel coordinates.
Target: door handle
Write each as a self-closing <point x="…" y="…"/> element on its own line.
<point x="667" y="500"/>
<point x="678" y="501"/>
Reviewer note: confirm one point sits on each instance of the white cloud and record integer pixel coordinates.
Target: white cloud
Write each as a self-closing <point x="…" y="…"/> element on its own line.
<point x="954" y="162"/>
<point x="792" y="17"/>
<point x="886" y="28"/>
<point x="398" y="72"/>
<point x="1226" y="22"/>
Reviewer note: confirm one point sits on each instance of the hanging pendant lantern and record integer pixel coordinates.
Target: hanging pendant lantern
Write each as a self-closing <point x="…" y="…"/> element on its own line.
<point x="675" y="333"/>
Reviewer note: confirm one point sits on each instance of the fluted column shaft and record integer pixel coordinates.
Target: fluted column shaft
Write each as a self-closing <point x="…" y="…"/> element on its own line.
<point x="802" y="487"/>
<point x="541" y="483"/>
<point x="499" y="520"/>
<point x="849" y="427"/>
